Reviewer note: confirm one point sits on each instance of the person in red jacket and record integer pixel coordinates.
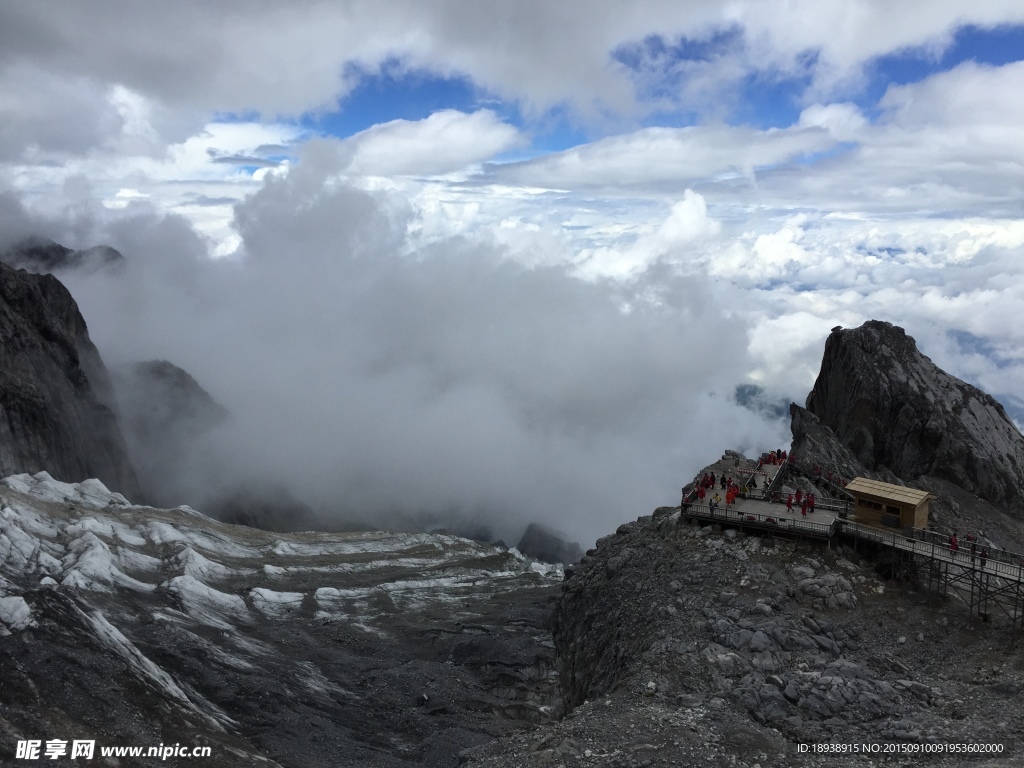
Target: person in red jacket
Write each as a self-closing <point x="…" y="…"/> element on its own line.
<point x="789" y="503"/>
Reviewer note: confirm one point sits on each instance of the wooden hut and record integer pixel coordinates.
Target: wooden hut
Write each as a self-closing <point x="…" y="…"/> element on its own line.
<point x="887" y="505"/>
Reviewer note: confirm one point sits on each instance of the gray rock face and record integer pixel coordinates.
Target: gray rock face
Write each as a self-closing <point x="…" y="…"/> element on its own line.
<point x="893" y="408"/>
<point x="55" y="394"/>
<point x="548" y="546"/>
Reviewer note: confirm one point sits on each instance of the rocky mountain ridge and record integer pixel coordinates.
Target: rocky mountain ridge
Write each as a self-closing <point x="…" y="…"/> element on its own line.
<point x="41" y="255"/>
<point x="56" y="400"/>
<point x="896" y="411"/>
<point x="684" y="644"/>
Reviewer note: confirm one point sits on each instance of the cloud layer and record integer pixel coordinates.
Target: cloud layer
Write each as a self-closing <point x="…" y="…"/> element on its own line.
<point x="441" y="317"/>
<point x="449" y="384"/>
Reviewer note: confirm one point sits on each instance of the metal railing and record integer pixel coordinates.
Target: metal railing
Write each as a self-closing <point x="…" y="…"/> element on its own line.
<point x="999" y="561"/>
<point x="1002" y="563"/>
<point x="819" y="479"/>
<point x="760" y="519"/>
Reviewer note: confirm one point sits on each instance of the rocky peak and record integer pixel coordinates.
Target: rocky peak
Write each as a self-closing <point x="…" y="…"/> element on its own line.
<point x="55" y="395"/>
<point x="895" y="410"/>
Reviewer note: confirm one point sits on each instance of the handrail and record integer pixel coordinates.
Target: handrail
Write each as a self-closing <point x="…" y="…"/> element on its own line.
<point x="916" y="540"/>
<point x="931" y="544"/>
<point x="800" y="467"/>
<point x="776" y="522"/>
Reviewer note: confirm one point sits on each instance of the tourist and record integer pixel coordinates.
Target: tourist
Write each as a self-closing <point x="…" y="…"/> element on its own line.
<point x="983" y="556"/>
<point x="954" y="545"/>
<point x="789" y="503"/>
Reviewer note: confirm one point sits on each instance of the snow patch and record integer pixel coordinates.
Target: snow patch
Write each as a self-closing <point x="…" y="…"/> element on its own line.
<point x="276" y="604"/>
<point x="42" y="486"/>
<point x="95" y="565"/>
<point x="15" y="613"/>
<point x="206" y="604"/>
<point x="200" y="567"/>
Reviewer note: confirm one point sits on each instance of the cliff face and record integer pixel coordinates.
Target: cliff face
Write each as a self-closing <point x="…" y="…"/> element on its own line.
<point x="55" y="395"/>
<point x="895" y="410"/>
<point x="164" y="413"/>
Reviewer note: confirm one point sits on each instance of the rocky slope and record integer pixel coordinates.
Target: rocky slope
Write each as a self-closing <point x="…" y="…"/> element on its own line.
<point x="140" y="626"/>
<point x="681" y="645"/>
<point x="55" y="396"/>
<point x="897" y="411"/>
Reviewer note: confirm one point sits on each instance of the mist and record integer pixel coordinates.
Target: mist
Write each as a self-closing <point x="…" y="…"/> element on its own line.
<point x="390" y="383"/>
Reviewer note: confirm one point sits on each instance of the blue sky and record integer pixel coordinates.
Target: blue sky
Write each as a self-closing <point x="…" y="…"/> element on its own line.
<point x="764" y="98"/>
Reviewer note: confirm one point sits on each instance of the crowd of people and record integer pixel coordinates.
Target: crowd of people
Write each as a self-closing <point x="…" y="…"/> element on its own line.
<point x="804" y="501"/>
<point x="711" y="487"/>
<point x="778" y="456"/>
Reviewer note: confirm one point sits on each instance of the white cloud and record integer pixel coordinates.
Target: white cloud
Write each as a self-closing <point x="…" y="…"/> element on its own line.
<point x="653" y="158"/>
<point x="843" y="121"/>
<point x="407" y="319"/>
<point x="450" y="379"/>
<point x="243" y="56"/>
<point x="445" y="142"/>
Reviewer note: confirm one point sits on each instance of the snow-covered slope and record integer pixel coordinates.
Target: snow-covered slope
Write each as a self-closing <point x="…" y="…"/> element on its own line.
<point x="395" y="646"/>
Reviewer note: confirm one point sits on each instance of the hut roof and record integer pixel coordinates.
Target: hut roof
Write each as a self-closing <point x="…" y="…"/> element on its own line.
<point x="887" y="491"/>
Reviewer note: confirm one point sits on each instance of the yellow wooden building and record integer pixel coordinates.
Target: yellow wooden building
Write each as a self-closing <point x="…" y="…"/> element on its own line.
<point x="891" y="506"/>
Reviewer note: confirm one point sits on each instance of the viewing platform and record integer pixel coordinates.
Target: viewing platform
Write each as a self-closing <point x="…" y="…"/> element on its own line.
<point x="984" y="586"/>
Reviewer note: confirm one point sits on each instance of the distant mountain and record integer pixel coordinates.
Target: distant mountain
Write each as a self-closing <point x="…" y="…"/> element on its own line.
<point x="41" y="256"/>
<point x="896" y="411"/>
<point x="55" y="395"/>
<point x="754" y="398"/>
<point x="548" y="546"/>
<point x="163" y="413"/>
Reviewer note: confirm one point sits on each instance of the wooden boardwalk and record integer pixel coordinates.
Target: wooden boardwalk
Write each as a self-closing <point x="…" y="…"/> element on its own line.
<point x="995" y="585"/>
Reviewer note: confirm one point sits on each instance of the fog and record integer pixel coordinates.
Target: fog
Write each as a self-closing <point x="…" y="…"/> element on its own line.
<point x="391" y="384"/>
